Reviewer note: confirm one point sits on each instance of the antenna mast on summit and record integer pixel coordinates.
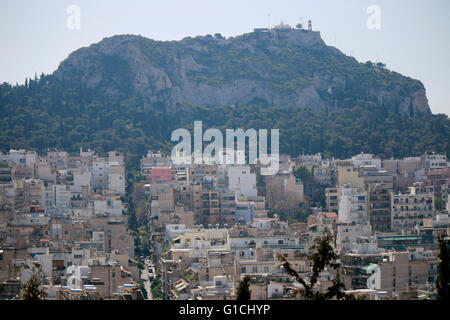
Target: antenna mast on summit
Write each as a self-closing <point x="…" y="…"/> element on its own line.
<point x="268" y="20"/>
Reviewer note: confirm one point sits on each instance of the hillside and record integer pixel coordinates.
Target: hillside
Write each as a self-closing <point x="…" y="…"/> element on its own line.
<point x="283" y="67"/>
<point x="128" y="92"/>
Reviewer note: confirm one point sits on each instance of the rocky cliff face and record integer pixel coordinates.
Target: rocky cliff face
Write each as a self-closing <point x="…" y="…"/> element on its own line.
<point x="280" y="67"/>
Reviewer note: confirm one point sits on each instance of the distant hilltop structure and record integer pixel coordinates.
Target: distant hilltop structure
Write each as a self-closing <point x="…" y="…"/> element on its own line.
<point x="283" y="26"/>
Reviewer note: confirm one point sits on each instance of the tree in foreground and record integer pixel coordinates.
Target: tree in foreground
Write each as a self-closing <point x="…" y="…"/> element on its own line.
<point x="323" y="256"/>
<point x="243" y="291"/>
<point x="32" y="290"/>
<point x="443" y="279"/>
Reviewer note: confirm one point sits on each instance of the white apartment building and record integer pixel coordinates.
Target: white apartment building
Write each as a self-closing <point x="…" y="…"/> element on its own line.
<point x="365" y="159"/>
<point x="100" y="169"/>
<point x="349" y="234"/>
<point x="310" y="160"/>
<point x="21" y="157"/>
<point x="353" y="204"/>
<point x="241" y="181"/>
<point x="61" y="196"/>
<point x="108" y="175"/>
<point x="110" y="206"/>
<point x="433" y="160"/>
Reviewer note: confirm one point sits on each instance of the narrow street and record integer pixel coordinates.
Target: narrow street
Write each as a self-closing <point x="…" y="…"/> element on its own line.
<point x="144" y="277"/>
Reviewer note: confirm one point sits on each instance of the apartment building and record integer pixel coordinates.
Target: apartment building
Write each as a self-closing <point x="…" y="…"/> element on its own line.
<point x="241" y="181"/>
<point x="332" y="199"/>
<point x="400" y="270"/>
<point x="411" y="209"/>
<point x="353" y="205"/>
<point x="380" y="208"/>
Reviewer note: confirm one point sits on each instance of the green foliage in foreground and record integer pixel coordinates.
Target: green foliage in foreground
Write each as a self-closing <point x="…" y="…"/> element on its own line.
<point x="323" y="256"/>
<point x="32" y="289"/>
<point x="243" y="291"/>
<point x="443" y="280"/>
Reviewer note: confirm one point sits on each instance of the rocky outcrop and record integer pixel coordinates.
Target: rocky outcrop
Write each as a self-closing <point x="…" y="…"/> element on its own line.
<point x="280" y="67"/>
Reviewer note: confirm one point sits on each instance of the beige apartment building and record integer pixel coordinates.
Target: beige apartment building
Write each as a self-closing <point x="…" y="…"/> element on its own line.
<point x="411" y="209"/>
<point x="332" y="199"/>
<point x="401" y="270"/>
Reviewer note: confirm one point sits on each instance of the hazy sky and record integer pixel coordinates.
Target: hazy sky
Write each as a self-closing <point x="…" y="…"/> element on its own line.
<point x="413" y="38"/>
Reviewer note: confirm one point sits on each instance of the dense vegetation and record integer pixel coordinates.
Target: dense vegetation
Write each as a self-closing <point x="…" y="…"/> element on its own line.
<point x="52" y="114"/>
<point x="96" y="98"/>
<point x="339" y="133"/>
<point x="47" y="113"/>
